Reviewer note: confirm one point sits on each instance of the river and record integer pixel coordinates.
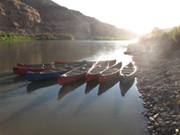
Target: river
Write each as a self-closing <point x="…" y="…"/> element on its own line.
<point x="44" y="108"/>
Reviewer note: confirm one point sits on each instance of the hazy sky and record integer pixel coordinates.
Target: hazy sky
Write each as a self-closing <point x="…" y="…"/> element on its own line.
<point x="137" y="15"/>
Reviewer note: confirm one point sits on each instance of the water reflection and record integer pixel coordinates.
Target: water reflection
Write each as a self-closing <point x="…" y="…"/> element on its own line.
<point x="91" y="85"/>
<point x="107" y="85"/>
<point x="125" y="87"/>
<point x="40" y="84"/>
<point x="19" y="78"/>
<point x="65" y="89"/>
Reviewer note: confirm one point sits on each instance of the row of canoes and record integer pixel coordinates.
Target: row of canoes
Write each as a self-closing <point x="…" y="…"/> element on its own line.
<point x="68" y="72"/>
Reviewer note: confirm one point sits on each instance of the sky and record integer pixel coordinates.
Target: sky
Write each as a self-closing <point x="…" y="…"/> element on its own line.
<point x="140" y="16"/>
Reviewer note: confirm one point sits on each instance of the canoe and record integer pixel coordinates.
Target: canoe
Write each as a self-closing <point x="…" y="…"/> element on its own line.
<point x="49" y="74"/>
<point x="24" y="70"/>
<point x="111" y="62"/>
<point x="110" y="73"/>
<point x="128" y="73"/>
<point x="34" y="65"/>
<point x="95" y="71"/>
<point x="47" y="65"/>
<point x="73" y="75"/>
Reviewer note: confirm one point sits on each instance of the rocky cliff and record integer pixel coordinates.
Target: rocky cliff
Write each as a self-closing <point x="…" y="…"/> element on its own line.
<point x="18" y="17"/>
<point x="39" y="16"/>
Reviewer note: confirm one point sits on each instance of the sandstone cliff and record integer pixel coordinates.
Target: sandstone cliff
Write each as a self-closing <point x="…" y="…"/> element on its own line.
<point x="18" y="17"/>
<point x="39" y="16"/>
<point x="60" y="19"/>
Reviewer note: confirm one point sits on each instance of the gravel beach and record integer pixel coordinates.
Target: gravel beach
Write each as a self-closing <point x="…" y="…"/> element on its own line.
<point x="158" y="78"/>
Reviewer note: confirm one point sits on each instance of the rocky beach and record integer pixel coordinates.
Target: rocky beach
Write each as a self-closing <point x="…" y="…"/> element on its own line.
<point x="158" y="77"/>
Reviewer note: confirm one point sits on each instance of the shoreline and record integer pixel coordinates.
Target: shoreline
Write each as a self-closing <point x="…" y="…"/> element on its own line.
<point x="158" y="83"/>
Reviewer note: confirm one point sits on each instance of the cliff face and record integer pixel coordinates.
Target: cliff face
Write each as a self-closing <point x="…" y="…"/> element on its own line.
<point x="17" y="17"/>
<point x="39" y="16"/>
<point x="59" y="19"/>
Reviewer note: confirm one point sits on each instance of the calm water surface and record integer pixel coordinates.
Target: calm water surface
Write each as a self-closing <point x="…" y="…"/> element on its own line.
<point x="76" y="109"/>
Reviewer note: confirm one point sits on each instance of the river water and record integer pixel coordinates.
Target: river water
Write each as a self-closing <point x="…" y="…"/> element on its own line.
<point x="44" y="108"/>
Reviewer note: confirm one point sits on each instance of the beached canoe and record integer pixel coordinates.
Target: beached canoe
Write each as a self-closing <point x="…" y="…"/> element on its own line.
<point x="44" y="75"/>
<point x="110" y="73"/>
<point x="127" y="73"/>
<point x="95" y="71"/>
<point x="111" y="62"/>
<point x="52" y="73"/>
<point x="34" y="65"/>
<point x="24" y="70"/>
<point x="47" y="65"/>
<point x="73" y="75"/>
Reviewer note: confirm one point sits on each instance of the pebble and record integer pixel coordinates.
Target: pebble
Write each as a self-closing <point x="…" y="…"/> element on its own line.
<point x="159" y="86"/>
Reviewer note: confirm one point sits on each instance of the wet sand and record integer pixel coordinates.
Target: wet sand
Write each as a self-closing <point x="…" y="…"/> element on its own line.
<point x="158" y="80"/>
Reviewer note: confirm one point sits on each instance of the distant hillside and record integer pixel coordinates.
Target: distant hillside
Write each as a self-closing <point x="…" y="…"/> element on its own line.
<point x="40" y="16"/>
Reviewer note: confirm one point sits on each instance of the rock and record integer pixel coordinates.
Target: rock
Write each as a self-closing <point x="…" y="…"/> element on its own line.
<point x="151" y="119"/>
<point x="150" y="128"/>
<point x="155" y="116"/>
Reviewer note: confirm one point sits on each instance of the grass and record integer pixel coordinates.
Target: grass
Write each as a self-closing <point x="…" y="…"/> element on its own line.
<point x="4" y="36"/>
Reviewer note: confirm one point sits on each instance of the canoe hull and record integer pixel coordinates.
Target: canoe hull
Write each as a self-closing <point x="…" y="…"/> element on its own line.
<point x="30" y="76"/>
<point x="23" y="71"/>
<point x="66" y="80"/>
<point x="90" y="77"/>
<point x="103" y="79"/>
<point x="126" y="79"/>
<point x="112" y="72"/>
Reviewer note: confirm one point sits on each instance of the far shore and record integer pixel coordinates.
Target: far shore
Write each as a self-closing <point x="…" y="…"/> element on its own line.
<point x="158" y="78"/>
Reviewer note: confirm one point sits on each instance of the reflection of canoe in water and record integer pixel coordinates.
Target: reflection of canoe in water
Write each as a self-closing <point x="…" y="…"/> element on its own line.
<point x="106" y="86"/>
<point x="65" y="89"/>
<point x="128" y="73"/>
<point x="125" y="87"/>
<point x="40" y="84"/>
<point x="111" y="73"/>
<point x="90" y="85"/>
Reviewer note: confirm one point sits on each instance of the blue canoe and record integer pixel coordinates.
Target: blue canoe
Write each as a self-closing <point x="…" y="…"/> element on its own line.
<point x="49" y="74"/>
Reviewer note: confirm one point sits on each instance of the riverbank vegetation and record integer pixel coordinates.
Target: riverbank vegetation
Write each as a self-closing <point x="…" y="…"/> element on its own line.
<point x="162" y="41"/>
<point x="5" y="36"/>
<point x="107" y="38"/>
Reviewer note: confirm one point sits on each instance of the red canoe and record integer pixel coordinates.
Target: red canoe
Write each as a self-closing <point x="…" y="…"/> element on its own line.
<point x="24" y="70"/>
<point x="111" y="62"/>
<point x="110" y="73"/>
<point x="95" y="71"/>
<point x="73" y="75"/>
<point x="33" y="65"/>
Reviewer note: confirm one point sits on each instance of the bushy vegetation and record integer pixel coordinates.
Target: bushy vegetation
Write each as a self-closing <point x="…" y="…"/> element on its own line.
<point x="4" y="36"/>
<point x="106" y="38"/>
<point x="165" y="41"/>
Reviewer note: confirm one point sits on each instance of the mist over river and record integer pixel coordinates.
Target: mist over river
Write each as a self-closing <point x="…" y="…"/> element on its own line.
<point x="45" y="107"/>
